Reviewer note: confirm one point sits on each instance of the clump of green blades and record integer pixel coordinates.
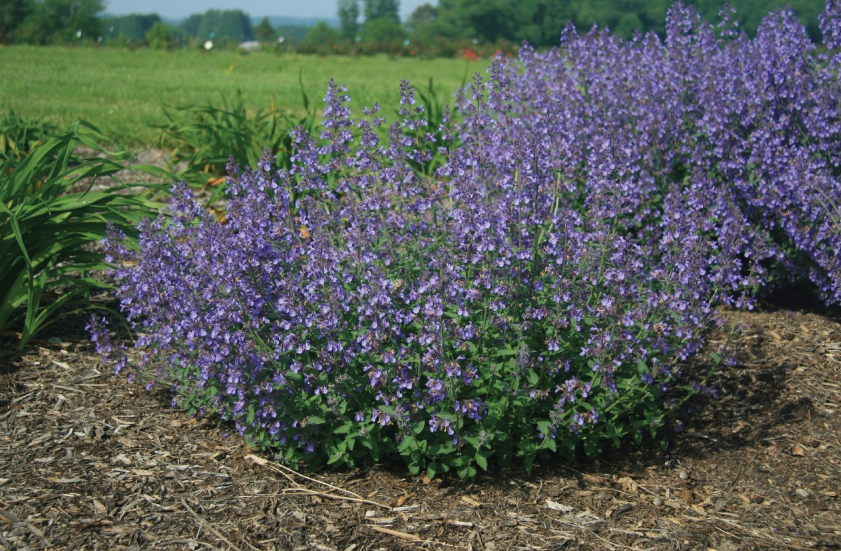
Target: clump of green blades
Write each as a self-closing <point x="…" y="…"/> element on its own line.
<point x="45" y="223"/>
<point x="206" y="136"/>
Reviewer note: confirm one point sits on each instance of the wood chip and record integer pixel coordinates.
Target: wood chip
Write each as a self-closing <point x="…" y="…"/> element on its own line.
<point x="470" y="501"/>
<point x="395" y="533"/>
<point x="381" y="520"/>
<point x="406" y="508"/>
<point x="257" y="459"/>
<point x="555" y="506"/>
<point x="121" y="459"/>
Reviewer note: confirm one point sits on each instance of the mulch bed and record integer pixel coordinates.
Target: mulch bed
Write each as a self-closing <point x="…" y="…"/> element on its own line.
<point x="88" y="461"/>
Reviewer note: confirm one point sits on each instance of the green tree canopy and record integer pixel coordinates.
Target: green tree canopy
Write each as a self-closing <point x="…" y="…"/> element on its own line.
<point x="264" y="32"/>
<point x="348" y="12"/>
<point x="62" y="21"/>
<point x="540" y="22"/>
<point x="320" y="39"/>
<point x="227" y="25"/>
<point x="423" y="15"/>
<point x="12" y="14"/>
<point x="161" y="37"/>
<point x="133" y="26"/>
<point x="191" y="24"/>
<point x="382" y="31"/>
<point x="382" y="9"/>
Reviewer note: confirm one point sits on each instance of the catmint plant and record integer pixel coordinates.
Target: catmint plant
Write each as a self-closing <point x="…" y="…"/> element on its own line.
<point x="535" y="291"/>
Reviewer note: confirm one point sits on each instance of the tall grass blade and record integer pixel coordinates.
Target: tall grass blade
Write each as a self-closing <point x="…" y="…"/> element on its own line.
<point x="50" y="215"/>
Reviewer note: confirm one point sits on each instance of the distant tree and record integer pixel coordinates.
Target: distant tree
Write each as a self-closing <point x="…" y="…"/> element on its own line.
<point x="191" y="24"/>
<point x="228" y="25"/>
<point x="321" y="39"/>
<point x="12" y="14"/>
<point x="489" y="19"/>
<point x="293" y="34"/>
<point x="161" y="37"/>
<point x="382" y="9"/>
<point x="382" y="31"/>
<point x="540" y="22"/>
<point x="264" y="32"/>
<point x="423" y="15"/>
<point x="627" y="24"/>
<point x="348" y="11"/>
<point x="750" y="13"/>
<point x="62" y="21"/>
<point x="133" y="26"/>
<point x="428" y="24"/>
<point x="121" y="41"/>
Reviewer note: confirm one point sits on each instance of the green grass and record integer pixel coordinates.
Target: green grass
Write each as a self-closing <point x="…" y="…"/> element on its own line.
<point x="122" y="91"/>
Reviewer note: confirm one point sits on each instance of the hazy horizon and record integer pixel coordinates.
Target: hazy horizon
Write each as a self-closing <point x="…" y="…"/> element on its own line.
<point x="322" y="9"/>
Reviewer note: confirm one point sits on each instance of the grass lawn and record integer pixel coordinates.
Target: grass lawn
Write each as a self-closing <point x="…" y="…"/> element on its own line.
<point x="123" y="91"/>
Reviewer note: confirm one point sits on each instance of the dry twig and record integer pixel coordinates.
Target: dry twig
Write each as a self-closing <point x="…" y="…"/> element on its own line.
<point x="207" y="525"/>
<point x="281" y="468"/>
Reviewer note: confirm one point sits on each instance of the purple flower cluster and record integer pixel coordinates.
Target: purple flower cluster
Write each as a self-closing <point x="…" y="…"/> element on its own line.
<point x="751" y="127"/>
<point x="539" y="290"/>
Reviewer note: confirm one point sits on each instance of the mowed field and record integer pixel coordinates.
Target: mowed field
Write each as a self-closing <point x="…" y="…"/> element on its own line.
<point x="123" y="92"/>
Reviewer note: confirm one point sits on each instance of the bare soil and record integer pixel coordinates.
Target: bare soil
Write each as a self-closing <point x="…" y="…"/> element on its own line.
<point x="88" y="461"/>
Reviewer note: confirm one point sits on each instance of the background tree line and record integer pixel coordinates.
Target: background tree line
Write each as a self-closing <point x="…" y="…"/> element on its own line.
<point x="82" y="21"/>
<point x="540" y="22"/>
<point x="371" y="26"/>
<point x="453" y="27"/>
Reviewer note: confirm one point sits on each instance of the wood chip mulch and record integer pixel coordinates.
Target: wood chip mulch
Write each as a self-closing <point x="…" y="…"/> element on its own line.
<point x="88" y="461"/>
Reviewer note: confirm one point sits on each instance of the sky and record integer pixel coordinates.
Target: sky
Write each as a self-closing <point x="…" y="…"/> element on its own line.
<point x="168" y="9"/>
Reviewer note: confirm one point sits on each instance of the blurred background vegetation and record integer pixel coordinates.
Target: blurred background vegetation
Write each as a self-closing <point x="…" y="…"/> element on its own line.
<point x="447" y="28"/>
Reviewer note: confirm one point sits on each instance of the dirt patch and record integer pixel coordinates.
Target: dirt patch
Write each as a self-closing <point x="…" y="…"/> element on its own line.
<point x="88" y="461"/>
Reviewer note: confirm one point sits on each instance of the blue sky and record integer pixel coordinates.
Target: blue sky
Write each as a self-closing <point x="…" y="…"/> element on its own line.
<point x="255" y="8"/>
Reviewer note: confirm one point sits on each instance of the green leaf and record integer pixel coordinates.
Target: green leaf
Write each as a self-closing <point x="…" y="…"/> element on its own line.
<point x="528" y="462"/>
<point x="532" y="377"/>
<point x="344" y="428"/>
<point x="466" y="473"/>
<point x="408" y="443"/>
<point x="591" y="447"/>
<point x="506" y="351"/>
<point x="440" y="449"/>
<point x="481" y="459"/>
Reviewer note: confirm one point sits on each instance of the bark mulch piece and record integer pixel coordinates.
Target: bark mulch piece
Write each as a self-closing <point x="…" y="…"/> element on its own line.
<point x="88" y="461"/>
